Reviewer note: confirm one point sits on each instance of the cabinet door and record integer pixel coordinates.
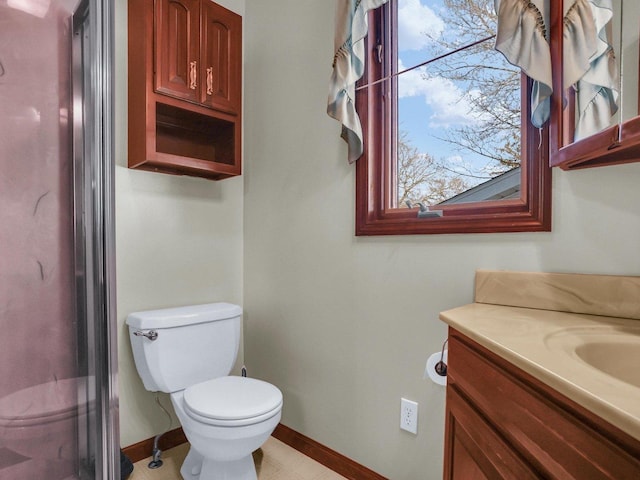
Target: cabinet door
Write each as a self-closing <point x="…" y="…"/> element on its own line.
<point x="505" y="417"/>
<point x="474" y="450"/>
<point x="177" y="48"/>
<point x="221" y="50"/>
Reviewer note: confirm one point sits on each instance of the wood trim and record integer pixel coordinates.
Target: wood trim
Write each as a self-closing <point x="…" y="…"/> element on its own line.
<point x="324" y="455"/>
<point x="305" y="445"/>
<point x="376" y="213"/>
<point x="143" y="449"/>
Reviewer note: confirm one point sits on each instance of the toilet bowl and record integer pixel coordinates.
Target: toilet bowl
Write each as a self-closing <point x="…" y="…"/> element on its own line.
<point x="225" y="420"/>
<point x="188" y="352"/>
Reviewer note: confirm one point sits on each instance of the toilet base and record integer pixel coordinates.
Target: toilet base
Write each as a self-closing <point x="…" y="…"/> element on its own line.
<point x="221" y="453"/>
<point x="196" y="467"/>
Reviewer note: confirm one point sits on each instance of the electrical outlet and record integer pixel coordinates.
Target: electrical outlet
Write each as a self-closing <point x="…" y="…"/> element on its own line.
<point x="408" y="415"/>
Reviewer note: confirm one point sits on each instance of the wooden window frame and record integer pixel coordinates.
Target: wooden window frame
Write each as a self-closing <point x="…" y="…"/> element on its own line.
<point x="376" y="212"/>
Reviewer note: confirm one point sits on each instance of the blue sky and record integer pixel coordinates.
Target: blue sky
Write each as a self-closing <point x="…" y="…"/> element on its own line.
<point x="428" y="107"/>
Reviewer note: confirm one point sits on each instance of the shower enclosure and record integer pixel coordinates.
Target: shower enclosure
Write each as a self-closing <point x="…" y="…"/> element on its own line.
<point x="58" y="370"/>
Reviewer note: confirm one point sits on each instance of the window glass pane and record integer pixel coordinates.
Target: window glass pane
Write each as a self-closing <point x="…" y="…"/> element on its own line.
<point x="458" y="118"/>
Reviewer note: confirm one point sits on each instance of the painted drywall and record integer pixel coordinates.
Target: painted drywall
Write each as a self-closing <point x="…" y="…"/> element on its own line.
<point x="344" y="325"/>
<point x="178" y="242"/>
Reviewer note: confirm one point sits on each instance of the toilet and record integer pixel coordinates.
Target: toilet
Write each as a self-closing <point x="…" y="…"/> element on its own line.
<point x="188" y="352"/>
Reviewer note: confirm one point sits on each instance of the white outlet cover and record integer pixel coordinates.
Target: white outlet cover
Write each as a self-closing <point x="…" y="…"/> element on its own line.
<point x="409" y="415"/>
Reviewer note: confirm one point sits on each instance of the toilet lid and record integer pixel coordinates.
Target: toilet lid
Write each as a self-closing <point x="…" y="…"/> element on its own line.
<point x="232" y="398"/>
<point x="41" y="403"/>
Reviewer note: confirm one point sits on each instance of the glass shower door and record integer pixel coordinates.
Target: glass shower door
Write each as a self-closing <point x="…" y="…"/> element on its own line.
<point x="58" y="402"/>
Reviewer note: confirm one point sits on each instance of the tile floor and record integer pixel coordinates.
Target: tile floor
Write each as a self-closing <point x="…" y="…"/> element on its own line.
<point x="274" y="461"/>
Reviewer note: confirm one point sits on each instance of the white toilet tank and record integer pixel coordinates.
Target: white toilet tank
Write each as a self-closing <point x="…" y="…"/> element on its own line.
<point x="192" y="344"/>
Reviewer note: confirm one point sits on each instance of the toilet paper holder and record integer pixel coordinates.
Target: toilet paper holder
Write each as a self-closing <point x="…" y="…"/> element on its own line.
<point x="436" y="367"/>
<point x="441" y="366"/>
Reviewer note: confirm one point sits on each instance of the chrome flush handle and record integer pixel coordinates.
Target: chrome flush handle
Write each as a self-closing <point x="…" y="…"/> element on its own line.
<point x="151" y="334"/>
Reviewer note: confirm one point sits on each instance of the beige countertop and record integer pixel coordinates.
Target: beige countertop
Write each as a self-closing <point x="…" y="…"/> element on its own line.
<point x="543" y="343"/>
<point x="559" y="327"/>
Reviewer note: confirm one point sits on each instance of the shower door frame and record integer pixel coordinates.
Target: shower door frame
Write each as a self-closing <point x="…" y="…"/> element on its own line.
<point x="94" y="208"/>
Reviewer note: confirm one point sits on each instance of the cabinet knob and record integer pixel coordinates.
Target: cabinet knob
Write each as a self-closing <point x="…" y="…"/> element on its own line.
<point x="193" y="75"/>
<point x="210" y="81"/>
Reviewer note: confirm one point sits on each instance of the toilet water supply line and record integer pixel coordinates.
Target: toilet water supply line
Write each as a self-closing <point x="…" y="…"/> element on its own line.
<point x="156" y="462"/>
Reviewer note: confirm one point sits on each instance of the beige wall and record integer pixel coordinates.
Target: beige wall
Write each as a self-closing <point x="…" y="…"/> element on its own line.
<point x="344" y="325"/>
<point x="178" y="241"/>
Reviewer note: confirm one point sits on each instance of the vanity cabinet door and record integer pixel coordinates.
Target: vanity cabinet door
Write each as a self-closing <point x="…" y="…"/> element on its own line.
<point x="177" y="48"/>
<point x="474" y="450"/>
<point x="221" y="58"/>
<point x="510" y="417"/>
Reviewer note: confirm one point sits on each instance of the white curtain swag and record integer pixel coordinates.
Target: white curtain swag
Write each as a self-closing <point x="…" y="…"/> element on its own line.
<point x="522" y="37"/>
<point x="348" y="68"/>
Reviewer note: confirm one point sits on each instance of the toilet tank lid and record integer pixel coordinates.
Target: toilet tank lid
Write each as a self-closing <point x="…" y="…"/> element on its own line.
<point x="180" y="316"/>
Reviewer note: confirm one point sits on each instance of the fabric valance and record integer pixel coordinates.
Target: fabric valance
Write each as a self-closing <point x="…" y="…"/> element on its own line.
<point x="590" y="64"/>
<point x="523" y="38"/>
<point x="348" y="68"/>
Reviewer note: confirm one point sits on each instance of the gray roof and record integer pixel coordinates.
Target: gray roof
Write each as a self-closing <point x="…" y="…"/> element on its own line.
<point x="504" y="186"/>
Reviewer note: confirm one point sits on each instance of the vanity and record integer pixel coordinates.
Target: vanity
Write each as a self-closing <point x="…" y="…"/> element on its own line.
<point x="544" y="378"/>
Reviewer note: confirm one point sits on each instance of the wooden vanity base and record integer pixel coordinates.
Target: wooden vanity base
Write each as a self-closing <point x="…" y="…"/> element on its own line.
<point x="501" y="423"/>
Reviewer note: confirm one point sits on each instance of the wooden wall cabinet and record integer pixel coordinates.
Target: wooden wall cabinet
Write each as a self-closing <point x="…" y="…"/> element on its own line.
<point x="185" y="84"/>
<point x="501" y="423"/>
<point x="620" y="142"/>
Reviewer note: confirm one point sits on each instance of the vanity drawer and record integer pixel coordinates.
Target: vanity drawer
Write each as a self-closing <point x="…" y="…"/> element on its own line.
<point x="555" y="436"/>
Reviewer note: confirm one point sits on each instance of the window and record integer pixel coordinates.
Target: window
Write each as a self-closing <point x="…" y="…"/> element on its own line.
<point x="466" y="163"/>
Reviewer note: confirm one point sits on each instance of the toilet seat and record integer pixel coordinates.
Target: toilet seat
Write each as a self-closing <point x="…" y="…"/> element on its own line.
<point x="232" y="401"/>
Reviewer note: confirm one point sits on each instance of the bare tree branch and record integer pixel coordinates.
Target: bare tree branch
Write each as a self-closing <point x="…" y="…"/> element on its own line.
<point x="423" y="179"/>
<point x="480" y="68"/>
